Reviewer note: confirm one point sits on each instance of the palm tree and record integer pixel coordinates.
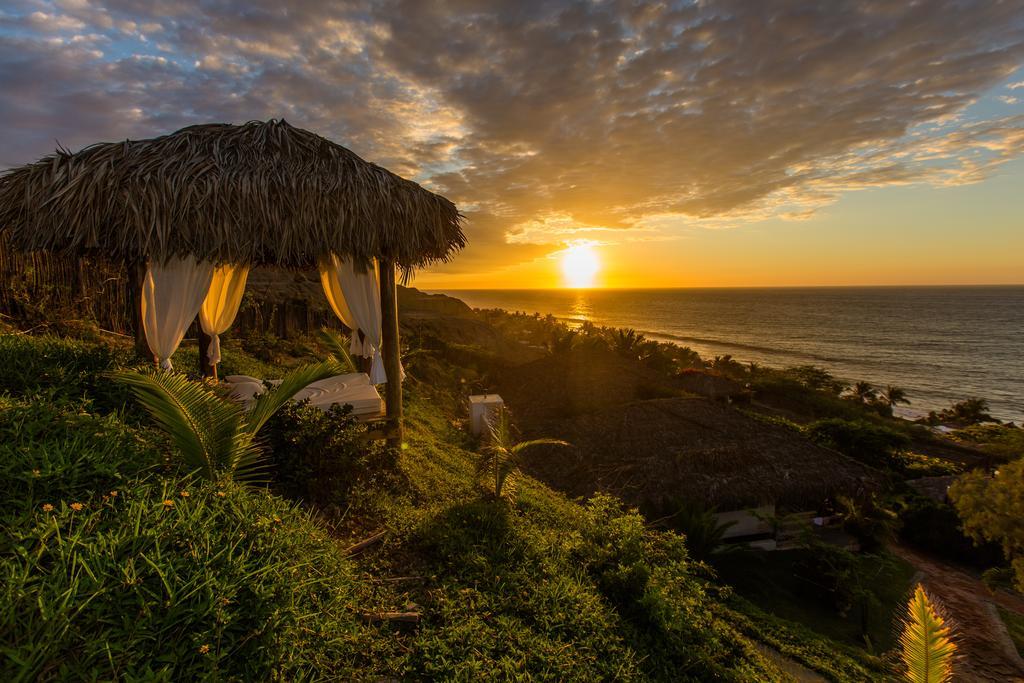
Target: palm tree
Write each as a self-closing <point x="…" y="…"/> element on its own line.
<point x="893" y="395"/>
<point x="561" y="342"/>
<point x="968" y="412"/>
<point x="927" y="650"/>
<point x="500" y="460"/>
<point x="626" y="342"/>
<point x="864" y="392"/>
<point x="213" y="434"/>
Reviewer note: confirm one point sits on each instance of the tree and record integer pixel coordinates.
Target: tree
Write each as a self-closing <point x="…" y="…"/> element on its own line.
<point x="863" y="392"/>
<point x="991" y="507"/>
<point x="967" y="412"/>
<point x="894" y="395"/>
<point x="561" y="341"/>
<point x="727" y="365"/>
<point x="925" y="646"/>
<point x="626" y="342"/>
<point x="213" y="434"/>
<point x="816" y="378"/>
<point x="500" y="460"/>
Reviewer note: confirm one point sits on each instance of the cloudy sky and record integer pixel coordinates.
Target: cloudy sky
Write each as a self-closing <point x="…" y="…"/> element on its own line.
<point x="694" y="143"/>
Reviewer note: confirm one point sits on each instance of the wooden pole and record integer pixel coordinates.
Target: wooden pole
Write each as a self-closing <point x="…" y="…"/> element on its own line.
<point x="205" y="367"/>
<point x="390" y="351"/>
<point x="136" y="275"/>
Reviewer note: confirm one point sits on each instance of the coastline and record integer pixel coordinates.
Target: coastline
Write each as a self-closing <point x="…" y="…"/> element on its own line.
<point x="937" y="366"/>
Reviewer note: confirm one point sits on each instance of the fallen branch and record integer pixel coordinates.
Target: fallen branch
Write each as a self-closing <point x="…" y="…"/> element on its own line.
<point x="396" y="579"/>
<point x="364" y="544"/>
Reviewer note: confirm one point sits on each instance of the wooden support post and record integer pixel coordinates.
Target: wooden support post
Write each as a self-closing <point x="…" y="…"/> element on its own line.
<point x="205" y="367"/>
<point x="136" y="276"/>
<point x="391" y="351"/>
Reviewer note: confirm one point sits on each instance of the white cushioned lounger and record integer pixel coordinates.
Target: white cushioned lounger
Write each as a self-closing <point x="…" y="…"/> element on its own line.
<point x="352" y="389"/>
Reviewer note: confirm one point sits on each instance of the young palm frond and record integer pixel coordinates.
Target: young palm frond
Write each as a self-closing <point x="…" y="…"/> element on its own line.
<point x="201" y="424"/>
<point x="213" y="433"/>
<point x="927" y="649"/>
<point x="502" y="454"/>
<point x="337" y="350"/>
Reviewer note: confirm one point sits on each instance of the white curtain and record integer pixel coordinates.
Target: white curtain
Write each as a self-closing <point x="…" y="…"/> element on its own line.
<point x="221" y="304"/>
<point x="361" y="293"/>
<point x="172" y="294"/>
<point x="336" y="298"/>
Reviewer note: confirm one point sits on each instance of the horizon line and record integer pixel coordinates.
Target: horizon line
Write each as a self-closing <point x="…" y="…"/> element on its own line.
<point x="662" y="288"/>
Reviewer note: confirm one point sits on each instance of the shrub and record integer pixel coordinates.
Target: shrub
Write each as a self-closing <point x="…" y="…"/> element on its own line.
<point x="701" y="530"/>
<point x="649" y="577"/>
<point x="935" y="527"/>
<point x="861" y="440"/>
<point x="1004" y="441"/>
<point x="322" y="458"/>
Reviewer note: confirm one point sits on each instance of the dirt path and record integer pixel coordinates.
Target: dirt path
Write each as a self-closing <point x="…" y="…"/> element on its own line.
<point x="987" y="653"/>
<point x="799" y="672"/>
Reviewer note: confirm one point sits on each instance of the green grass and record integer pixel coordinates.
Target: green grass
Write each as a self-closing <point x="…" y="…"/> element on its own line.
<point x="770" y="580"/>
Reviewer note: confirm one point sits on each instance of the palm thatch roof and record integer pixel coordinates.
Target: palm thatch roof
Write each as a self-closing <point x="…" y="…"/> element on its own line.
<point x="258" y="193"/>
<point x="653" y="452"/>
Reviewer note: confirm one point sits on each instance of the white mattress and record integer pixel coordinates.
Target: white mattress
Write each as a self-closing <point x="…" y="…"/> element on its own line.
<point x="352" y="389"/>
<point x="363" y="398"/>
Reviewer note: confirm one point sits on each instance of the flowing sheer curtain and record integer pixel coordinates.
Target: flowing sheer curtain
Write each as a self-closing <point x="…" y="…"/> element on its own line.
<point x="360" y="292"/>
<point x="172" y="294"/>
<point x="221" y="305"/>
<point x="336" y="298"/>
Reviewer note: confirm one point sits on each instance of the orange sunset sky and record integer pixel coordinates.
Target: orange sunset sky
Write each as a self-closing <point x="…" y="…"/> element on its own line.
<point x="594" y="143"/>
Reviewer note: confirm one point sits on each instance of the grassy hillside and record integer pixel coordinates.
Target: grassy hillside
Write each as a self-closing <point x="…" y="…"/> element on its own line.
<point x="117" y="564"/>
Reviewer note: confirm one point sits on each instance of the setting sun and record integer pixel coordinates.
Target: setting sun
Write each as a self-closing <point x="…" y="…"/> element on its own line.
<point x="579" y="266"/>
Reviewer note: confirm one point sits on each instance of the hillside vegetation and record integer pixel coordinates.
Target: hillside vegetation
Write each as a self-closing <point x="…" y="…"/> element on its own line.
<point x="116" y="563"/>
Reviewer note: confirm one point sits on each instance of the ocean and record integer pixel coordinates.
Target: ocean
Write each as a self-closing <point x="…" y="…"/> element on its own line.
<point x="940" y="344"/>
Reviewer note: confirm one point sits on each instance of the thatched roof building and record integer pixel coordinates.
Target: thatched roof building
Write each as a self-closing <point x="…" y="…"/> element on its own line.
<point x="262" y="193"/>
<point x="175" y="207"/>
<point x="711" y="385"/>
<point x="651" y="452"/>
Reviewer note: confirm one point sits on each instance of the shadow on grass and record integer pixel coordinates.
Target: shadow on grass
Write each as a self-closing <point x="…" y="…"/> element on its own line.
<point x="474" y="535"/>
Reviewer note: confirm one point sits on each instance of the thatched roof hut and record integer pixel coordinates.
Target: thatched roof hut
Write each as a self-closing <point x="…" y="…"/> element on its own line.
<point x="262" y="193"/>
<point x="651" y="452"/>
<point x="711" y="385"/>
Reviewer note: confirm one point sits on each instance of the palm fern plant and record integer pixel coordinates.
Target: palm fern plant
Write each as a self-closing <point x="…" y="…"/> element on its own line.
<point x="501" y="458"/>
<point x="336" y="349"/>
<point x="213" y="434"/>
<point x="926" y="648"/>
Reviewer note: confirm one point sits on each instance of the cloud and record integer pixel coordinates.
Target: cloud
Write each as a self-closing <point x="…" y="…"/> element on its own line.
<point x="546" y="121"/>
